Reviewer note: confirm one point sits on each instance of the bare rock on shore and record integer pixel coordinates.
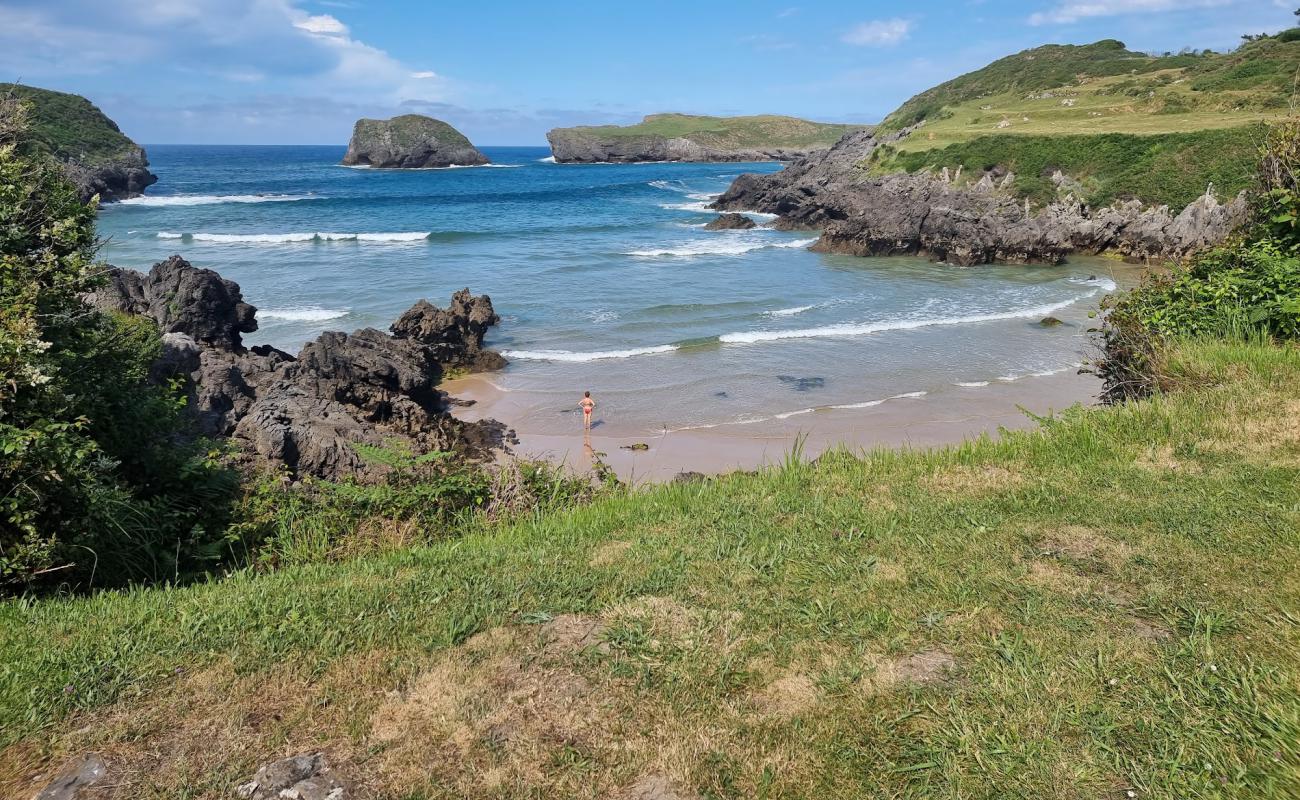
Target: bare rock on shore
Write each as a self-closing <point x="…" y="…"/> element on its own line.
<point x="731" y="222"/>
<point x="924" y="214"/>
<point x="410" y="141"/>
<point x="308" y="413"/>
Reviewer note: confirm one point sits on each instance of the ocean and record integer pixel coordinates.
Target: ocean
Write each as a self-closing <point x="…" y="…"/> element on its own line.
<point x="606" y="281"/>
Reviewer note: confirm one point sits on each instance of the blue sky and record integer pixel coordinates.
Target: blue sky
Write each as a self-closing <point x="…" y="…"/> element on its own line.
<point x="301" y="71"/>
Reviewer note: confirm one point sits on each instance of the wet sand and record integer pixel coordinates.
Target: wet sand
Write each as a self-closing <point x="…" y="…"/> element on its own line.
<point x="903" y="422"/>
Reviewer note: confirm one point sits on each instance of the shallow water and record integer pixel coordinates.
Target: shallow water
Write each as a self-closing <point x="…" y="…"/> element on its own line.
<point x="606" y="281"/>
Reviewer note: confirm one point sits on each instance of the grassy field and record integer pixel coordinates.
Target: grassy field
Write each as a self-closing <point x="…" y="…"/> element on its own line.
<point x="1106" y="88"/>
<point x="734" y="132"/>
<point x="1106" y="607"/>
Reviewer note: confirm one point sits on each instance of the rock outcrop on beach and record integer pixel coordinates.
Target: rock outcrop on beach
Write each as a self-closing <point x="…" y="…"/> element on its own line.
<point x="731" y="222"/>
<point x="975" y="221"/>
<point x="308" y="412"/>
<point x="411" y="141"/>
<point x="681" y="137"/>
<point x="97" y="157"/>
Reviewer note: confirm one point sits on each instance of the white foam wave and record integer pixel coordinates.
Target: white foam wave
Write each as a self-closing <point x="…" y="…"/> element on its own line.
<point x="213" y="199"/>
<point x="547" y="160"/>
<point x="854" y="329"/>
<point x="302" y="314"/>
<point x="294" y="238"/>
<point x="1105" y="284"/>
<point x="698" y="207"/>
<point x="600" y="315"/>
<point x="718" y="247"/>
<point x="798" y="413"/>
<point x="972" y="384"/>
<point x="567" y="356"/>
<point x="708" y="196"/>
<point x="788" y="312"/>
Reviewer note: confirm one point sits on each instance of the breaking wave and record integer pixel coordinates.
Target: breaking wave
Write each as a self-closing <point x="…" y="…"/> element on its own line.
<point x="860" y="329"/>
<point x="567" y="356"/>
<point x="717" y="247"/>
<point x="214" y="199"/>
<point x="294" y="238"/>
<point x="301" y="314"/>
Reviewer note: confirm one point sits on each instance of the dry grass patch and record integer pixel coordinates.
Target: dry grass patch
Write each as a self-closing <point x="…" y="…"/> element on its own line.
<point x="608" y="554"/>
<point x="790" y="695"/>
<point x="964" y="479"/>
<point x="1086" y="547"/>
<point x="1162" y="459"/>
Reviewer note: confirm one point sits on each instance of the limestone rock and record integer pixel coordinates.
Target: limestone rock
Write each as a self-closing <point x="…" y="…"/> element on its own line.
<point x="76" y="777"/>
<point x="411" y="141"/>
<point x="301" y="777"/>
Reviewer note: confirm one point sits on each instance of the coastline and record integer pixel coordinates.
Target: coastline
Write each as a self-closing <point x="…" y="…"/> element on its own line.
<point x="903" y="422"/>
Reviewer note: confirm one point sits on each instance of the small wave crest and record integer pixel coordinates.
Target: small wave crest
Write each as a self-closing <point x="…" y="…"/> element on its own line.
<point x="569" y="357"/>
<point x="852" y="329"/>
<point x="213" y="199"/>
<point x="788" y="312"/>
<point x="547" y="160"/>
<point x="1104" y="284"/>
<point x="718" y="247"/>
<point x="294" y="238"/>
<point x="301" y="314"/>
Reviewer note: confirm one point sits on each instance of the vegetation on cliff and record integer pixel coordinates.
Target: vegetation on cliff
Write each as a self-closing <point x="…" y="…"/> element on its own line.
<point x="70" y="127"/>
<point x="723" y="133"/>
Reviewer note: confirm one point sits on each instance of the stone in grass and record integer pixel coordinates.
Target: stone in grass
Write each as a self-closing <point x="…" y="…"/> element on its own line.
<point x="75" y="779"/>
<point x="301" y="777"/>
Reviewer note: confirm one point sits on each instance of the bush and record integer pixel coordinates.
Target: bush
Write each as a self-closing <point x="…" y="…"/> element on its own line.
<point x="99" y="484"/>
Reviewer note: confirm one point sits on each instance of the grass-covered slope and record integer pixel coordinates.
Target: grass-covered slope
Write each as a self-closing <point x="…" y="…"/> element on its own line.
<point x="1166" y="169"/>
<point x="1106" y="88"/>
<point x="755" y="132"/>
<point x="1108" y="605"/>
<point x="71" y="127"/>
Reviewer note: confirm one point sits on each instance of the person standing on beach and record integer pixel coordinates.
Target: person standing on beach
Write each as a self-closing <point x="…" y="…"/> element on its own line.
<point x="587" y="405"/>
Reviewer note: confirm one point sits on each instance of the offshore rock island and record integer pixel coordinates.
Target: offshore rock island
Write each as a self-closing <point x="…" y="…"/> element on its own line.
<point x="411" y="141"/>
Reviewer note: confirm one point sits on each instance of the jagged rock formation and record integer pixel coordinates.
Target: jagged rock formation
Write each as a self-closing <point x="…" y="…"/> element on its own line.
<point x="969" y="223"/>
<point x="411" y="141"/>
<point x="680" y="137"/>
<point x="97" y="157"/>
<point x="308" y="412"/>
<point x="731" y="222"/>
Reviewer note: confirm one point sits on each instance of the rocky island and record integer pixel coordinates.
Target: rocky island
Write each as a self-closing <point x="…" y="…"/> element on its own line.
<point x="1043" y="154"/>
<point x="683" y="137"/>
<point x="410" y="141"/>
<point x="97" y="157"/>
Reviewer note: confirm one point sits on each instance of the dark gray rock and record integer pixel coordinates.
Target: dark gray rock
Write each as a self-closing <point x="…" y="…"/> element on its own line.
<point x="75" y="779"/>
<point x="308" y="413"/>
<point x="731" y="222"/>
<point x="965" y="224"/>
<point x="302" y="777"/>
<point x="198" y="303"/>
<point x="1050" y="322"/>
<point x="411" y="141"/>
<point x="455" y="334"/>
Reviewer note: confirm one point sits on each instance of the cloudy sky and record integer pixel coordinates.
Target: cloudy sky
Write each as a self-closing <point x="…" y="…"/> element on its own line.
<point x="301" y="71"/>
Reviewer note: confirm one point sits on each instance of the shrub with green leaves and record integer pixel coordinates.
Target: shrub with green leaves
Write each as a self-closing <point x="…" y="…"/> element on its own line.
<point x="99" y="485"/>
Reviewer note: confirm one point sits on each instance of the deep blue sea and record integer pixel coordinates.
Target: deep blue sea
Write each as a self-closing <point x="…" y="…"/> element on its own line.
<point x="606" y="280"/>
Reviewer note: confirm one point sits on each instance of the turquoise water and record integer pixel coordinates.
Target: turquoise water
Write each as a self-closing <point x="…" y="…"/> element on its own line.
<point x="605" y="279"/>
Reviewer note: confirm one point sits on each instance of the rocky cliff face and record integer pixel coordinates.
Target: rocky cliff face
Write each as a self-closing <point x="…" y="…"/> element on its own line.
<point x="307" y="413"/>
<point x="576" y="146"/>
<point x="411" y="141"/>
<point x="966" y="223"/>
<point x="96" y="155"/>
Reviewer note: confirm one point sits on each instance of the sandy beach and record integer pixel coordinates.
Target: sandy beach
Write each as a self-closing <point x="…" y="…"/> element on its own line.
<point x="901" y="422"/>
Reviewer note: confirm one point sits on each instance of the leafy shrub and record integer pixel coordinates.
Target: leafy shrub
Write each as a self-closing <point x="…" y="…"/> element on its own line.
<point x="98" y="483"/>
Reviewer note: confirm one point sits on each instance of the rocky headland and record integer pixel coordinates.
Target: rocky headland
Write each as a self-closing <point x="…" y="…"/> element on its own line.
<point x="681" y="137"/>
<point x="966" y="220"/>
<point x="307" y="413"/>
<point x="97" y="157"/>
<point x="411" y="141"/>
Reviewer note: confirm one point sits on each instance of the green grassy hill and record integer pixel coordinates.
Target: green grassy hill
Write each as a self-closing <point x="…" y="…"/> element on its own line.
<point x="1103" y="606"/>
<point x="764" y="131"/>
<point x="71" y="127"/>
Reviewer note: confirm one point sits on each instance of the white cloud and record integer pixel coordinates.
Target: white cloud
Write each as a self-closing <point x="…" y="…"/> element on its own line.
<point x="1071" y="12"/>
<point x="424" y="75"/>
<point x="322" y="24"/>
<point x="878" y="33"/>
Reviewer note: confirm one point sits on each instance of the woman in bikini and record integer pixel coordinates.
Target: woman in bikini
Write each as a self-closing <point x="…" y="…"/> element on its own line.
<point x="587" y="405"/>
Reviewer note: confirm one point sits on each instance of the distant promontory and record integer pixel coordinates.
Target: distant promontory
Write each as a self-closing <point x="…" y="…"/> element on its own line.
<point x="97" y="157"/>
<point x="683" y="137"/>
<point x="411" y="141"/>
